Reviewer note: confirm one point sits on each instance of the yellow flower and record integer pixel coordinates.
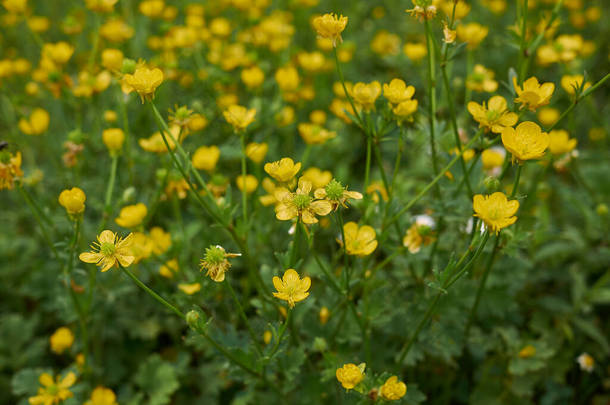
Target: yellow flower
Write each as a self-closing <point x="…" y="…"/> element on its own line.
<point x="216" y="263"/>
<point x="155" y="142"/>
<point x="330" y="26"/>
<point x="366" y="94"/>
<point x="461" y="8"/>
<point x="161" y="240"/>
<point x="102" y="396"/>
<point x="59" y="53"/>
<point x="283" y="170"/>
<point x="526" y="142"/>
<point x="495" y="210"/>
<point x="548" y="116"/>
<point x="572" y="82"/>
<point x="112" y="59"/>
<point x="169" y="269"/>
<point x="36" y="124"/>
<point x="314" y="134"/>
<point x="248" y="184"/>
<point x="189" y="289"/>
<point x="300" y="204"/>
<point x="586" y="362"/>
<point x="101" y="6"/>
<point x="52" y="391"/>
<point x="267" y="335"/>
<point x="385" y="43"/>
<point x="15" y="6"/>
<point x="420" y="233"/>
<point x="473" y="34"/>
<point x="392" y="389"/>
<point x="131" y="215"/>
<point x="61" y="340"/>
<point x="482" y="80"/>
<point x="323" y="315"/>
<point x="350" y="375"/>
<point x="359" y="241"/>
<point x="533" y="95"/>
<point x="291" y="287"/>
<point x="493" y="159"/>
<point x="73" y="200"/>
<point x="206" y="157"/>
<point x="252" y="77"/>
<point x="257" y="151"/>
<point x="239" y="117"/>
<point x="10" y="168"/>
<point x="144" y="81"/>
<point x="336" y="194"/>
<point x="375" y="189"/>
<point x="287" y="78"/>
<point x="113" y="138"/>
<point x="397" y="91"/>
<point x="109" y="251"/>
<point x="152" y="8"/>
<point x="110" y="116"/>
<point x="495" y="116"/>
<point x="269" y="198"/>
<point x="415" y="51"/>
<point x="318" y="178"/>
<point x="560" y="142"/>
<point x="116" y="30"/>
<point x="527" y="351"/>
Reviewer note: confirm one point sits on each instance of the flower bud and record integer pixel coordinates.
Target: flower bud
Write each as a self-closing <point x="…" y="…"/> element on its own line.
<point x="73" y="201"/>
<point x="129" y="66"/>
<point x="196" y="320"/>
<point x="492" y="184"/>
<point x="113" y="139"/>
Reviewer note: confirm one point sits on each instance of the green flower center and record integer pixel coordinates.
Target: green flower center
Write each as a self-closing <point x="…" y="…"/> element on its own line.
<point x="215" y="255"/>
<point x="334" y="190"/>
<point x="108" y="249"/>
<point x="492" y="115"/>
<point x="52" y="389"/>
<point x="302" y="201"/>
<point x="5" y="157"/>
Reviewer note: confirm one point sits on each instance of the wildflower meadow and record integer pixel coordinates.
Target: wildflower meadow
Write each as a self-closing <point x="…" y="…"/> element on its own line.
<point x="304" y="202"/>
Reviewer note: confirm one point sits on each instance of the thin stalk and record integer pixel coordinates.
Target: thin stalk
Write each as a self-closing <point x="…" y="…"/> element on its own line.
<point x="244" y="194"/>
<point x="368" y="161"/>
<point x="349" y="97"/>
<point x="516" y="184"/>
<point x="153" y="294"/>
<point x="339" y="216"/>
<point x="231" y="357"/>
<point x="43" y="229"/>
<point x="279" y="336"/>
<point x="432" y="96"/>
<point x="523" y="55"/>
<point x="295" y="243"/>
<point x="244" y="318"/>
<point x="128" y="137"/>
<point x="109" y="190"/>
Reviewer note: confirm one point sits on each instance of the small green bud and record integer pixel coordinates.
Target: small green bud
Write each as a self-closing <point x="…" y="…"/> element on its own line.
<point x="334" y="190"/>
<point x="215" y="254"/>
<point x="492" y="184"/>
<point x="196" y="320"/>
<point x="160" y="174"/>
<point x="129" y="66"/>
<point x="76" y="136"/>
<point x="319" y="344"/>
<point x="602" y="210"/>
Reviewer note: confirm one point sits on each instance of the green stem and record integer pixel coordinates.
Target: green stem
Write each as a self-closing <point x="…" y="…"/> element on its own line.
<point x="349" y="97"/>
<point x="340" y="223"/>
<point x="243" y="316"/>
<point x="230" y="356"/>
<point x="295" y="243"/>
<point x="516" y="184"/>
<point x="432" y="96"/>
<point x="367" y="166"/>
<point x="153" y="294"/>
<point x="109" y="190"/>
<point x="128" y="137"/>
<point x="523" y="55"/>
<point x="538" y="40"/>
<point x="43" y="229"/>
<point x="279" y="336"/>
<point x="244" y="194"/>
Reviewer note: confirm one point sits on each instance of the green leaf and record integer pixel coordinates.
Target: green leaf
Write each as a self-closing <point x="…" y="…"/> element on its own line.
<point x="157" y="378"/>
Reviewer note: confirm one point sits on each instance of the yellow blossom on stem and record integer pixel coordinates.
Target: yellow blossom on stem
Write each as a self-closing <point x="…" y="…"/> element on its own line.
<point x="73" y="200"/>
<point x="101" y="6"/>
<point x="560" y="142"/>
<point x="283" y="170"/>
<point x="300" y="204"/>
<point x="350" y="375"/>
<point x="239" y="116"/>
<point x="481" y="79"/>
<point x="189" y="289"/>
<point x="533" y="95"/>
<point x="420" y="233"/>
<point x="392" y="389"/>
<point x="109" y="251"/>
<point x="314" y="134"/>
<point x="36" y="124"/>
<point x="216" y="263"/>
<point x="131" y="215"/>
<point x="337" y="194"/>
<point x="291" y="287"/>
<point x="365" y="94"/>
<point x="472" y="33"/>
<point x="113" y="138"/>
<point x="52" y="391"/>
<point x="572" y="82"/>
<point x="247" y="183"/>
<point x="60" y="52"/>
<point x="495" y="210"/>
<point x="102" y="396"/>
<point x="61" y="340"/>
<point x="397" y="91"/>
<point x="144" y="81"/>
<point x="495" y="116"/>
<point x="15" y="6"/>
<point x="359" y="241"/>
<point x="206" y="157"/>
<point x="525" y="142"/>
<point x="256" y="151"/>
<point x="330" y="26"/>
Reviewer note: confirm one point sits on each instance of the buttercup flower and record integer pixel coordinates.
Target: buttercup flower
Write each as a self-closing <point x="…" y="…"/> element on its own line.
<point x="109" y="251"/>
<point x="323" y="315"/>
<point x="318" y="178"/>
<point x="397" y="91"/>
<point x="420" y="233"/>
<point x="482" y="80"/>
<point x="392" y="389"/>
<point x="560" y="142"/>
<point x="314" y="134"/>
<point x="59" y="53"/>
<point x="365" y="94"/>
<point x="359" y="241"/>
<point x="586" y="362"/>
<point x="101" y="6"/>
<point x="256" y="151"/>
<point x="61" y="340"/>
<point x="144" y="81"/>
<point x="113" y="138"/>
<point x="525" y="142"/>
<point x="533" y="95"/>
<point x="495" y="116"/>
<point x="73" y="200"/>
<point x="473" y="34"/>
<point x="572" y="82"/>
<point x="10" y="169"/>
<point x="247" y="183"/>
<point x="216" y="263"/>
<point x="36" y="124"/>
<point x="330" y="26"/>
<point x="206" y="157"/>
<point x="291" y="287"/>
<point x="52" y="391"/>
<point x="337" y="194"/>
<point x="300" y="204"/>
<point x="239" y="117"/>
<point x="283" y="170"/>
<point x="102" y="396"/>
<point x="493" y="159"/>
<point x="350" y="375"/>
<point x="495" y="210"/>
<point x="189" y="289"/>
<point x="252" y="77"/>
<point x="131" y="215"/>
<point x="15" y="6"/>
